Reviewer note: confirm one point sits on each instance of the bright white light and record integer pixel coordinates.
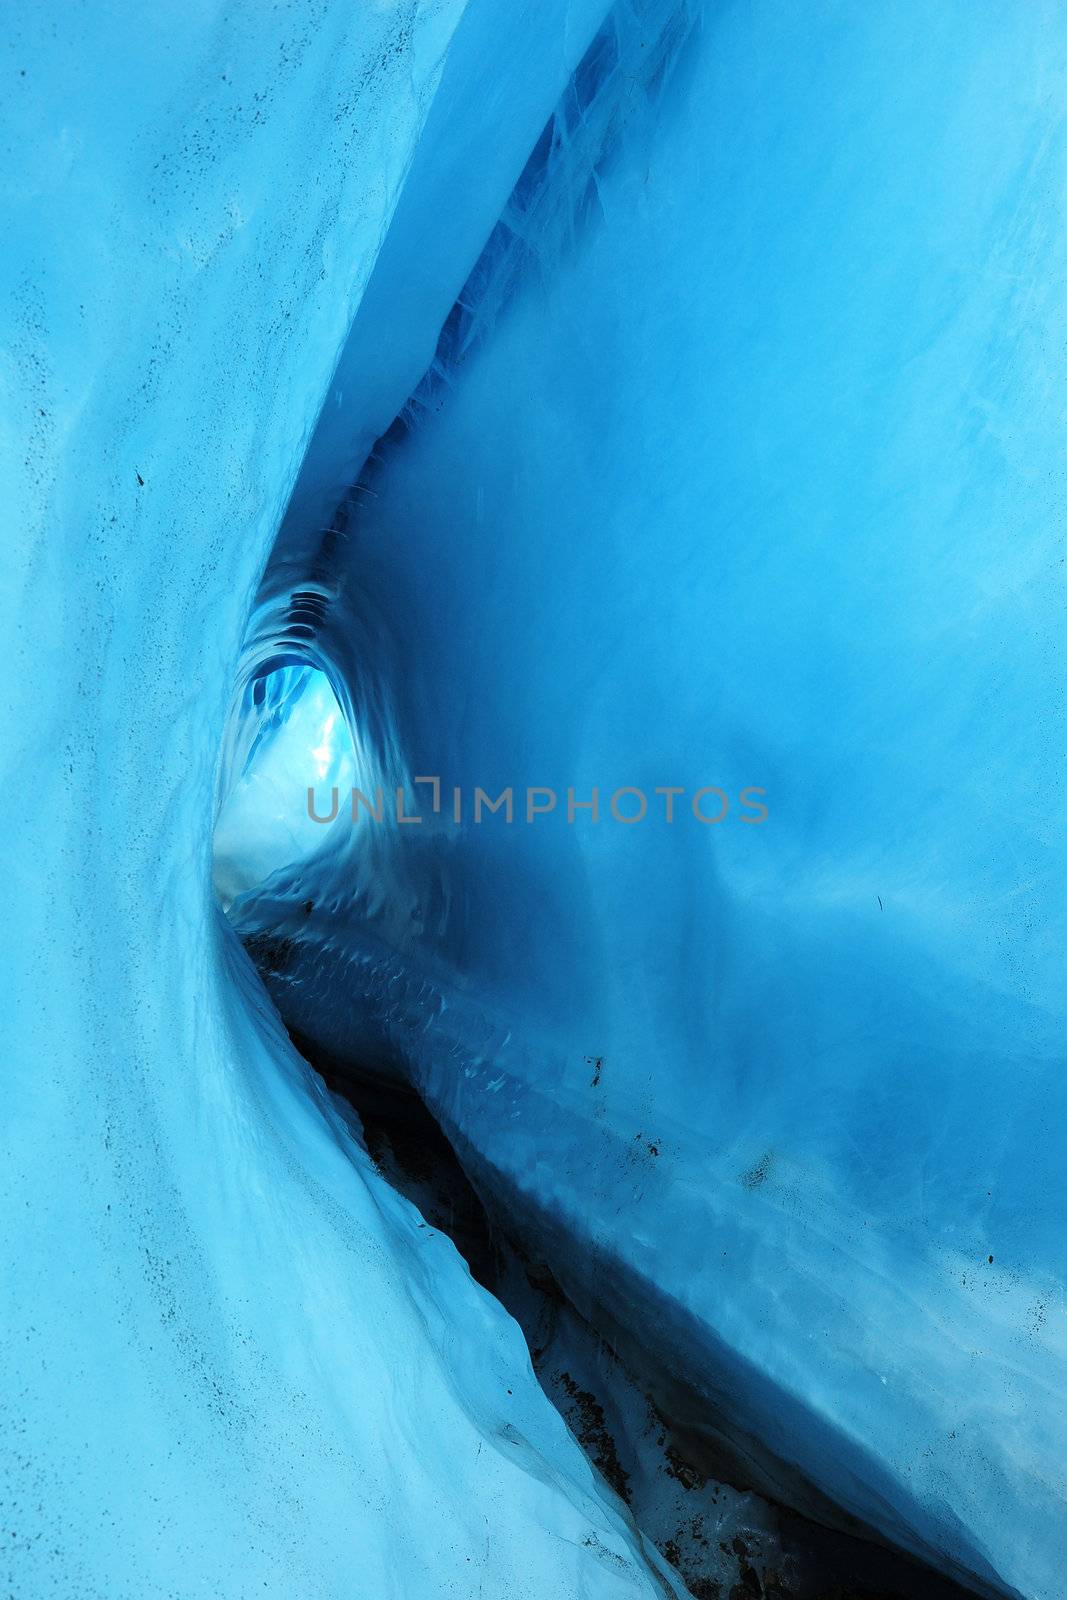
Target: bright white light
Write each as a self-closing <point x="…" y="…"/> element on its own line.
<point x="297" y="738"/>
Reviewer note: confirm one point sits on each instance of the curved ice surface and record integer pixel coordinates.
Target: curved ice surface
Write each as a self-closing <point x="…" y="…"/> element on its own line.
<point x="233" y="1362"/>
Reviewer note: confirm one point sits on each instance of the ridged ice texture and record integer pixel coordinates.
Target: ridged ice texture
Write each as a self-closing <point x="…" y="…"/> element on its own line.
<point x="762" y="483"/>
<point x="233" y="1362"/>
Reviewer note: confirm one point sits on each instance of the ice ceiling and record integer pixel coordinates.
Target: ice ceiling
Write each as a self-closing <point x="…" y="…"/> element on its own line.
<point x="662" y="396"/>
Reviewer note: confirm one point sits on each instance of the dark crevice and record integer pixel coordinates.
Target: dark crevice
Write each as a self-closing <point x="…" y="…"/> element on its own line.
<point x="727" y="1542"/>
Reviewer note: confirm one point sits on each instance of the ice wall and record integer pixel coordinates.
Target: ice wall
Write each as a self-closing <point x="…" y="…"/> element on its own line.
<point x="759" y="483"/>
<point x="233" y="1362"/>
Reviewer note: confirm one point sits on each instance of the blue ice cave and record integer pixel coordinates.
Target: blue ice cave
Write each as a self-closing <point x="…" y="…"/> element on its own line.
<point x="536" y="576"/>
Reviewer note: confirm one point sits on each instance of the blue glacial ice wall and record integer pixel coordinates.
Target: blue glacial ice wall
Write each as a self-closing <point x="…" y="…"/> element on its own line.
<point x="740" y="463"/>
<point x="233" y="1361"/>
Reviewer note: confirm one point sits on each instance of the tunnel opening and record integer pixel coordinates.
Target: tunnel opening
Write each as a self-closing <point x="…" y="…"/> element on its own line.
<point x="287" y="732"/>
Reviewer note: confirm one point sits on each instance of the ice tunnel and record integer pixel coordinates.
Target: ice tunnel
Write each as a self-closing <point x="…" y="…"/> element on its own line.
<point x="535" y="1019"/>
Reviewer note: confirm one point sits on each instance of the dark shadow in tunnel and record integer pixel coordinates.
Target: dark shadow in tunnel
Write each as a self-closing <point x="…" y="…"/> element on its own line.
<point x="770" y="1552"/>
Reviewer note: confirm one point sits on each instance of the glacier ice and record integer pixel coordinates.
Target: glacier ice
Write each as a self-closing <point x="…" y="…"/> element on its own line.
<point x="661" y="396"/>
<point x="233" y="1363"/>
